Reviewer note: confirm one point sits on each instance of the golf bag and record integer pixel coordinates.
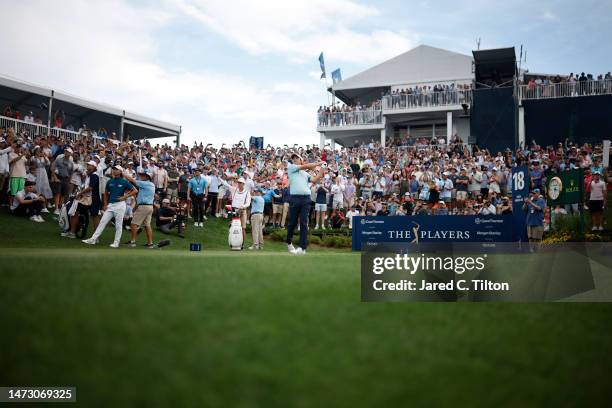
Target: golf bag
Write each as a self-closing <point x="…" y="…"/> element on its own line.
<point x="234" y="238"/>
<point x="64" y="218"/>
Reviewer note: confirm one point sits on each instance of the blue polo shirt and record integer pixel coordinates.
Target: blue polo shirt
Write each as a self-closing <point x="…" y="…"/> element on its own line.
<point x="197" y="186"/>
<point x="116" y="187"/>
<point x="257" y="204"/>
<point x="298" y="180"/>
<point x="535" y="217"/>
<point x="267" y="195"/>
<point x="146" y="192"/>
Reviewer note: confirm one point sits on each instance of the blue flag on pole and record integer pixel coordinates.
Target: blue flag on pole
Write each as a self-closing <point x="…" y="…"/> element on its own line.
<point x="336" y="76"/>
<point x="322" y="64"/>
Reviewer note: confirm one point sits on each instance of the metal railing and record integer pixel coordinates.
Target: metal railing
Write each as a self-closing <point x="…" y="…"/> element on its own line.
<point x="20" y="126"/>
<point x="38" y="129"/>
<point x="354" y="118"/>
<point x="565" y="89"/>
<point x="424" y="100"/>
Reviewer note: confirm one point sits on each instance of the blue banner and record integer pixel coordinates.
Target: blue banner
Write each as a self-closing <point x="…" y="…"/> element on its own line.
<point x="336" y="76"/>
<point x="520" y="191"/>
<point x="322" y="65"/>
<point x="428" y="228"/>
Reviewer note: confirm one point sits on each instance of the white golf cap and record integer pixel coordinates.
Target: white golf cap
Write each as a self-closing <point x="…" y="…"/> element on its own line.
<point x="92" y="163"/>
<point x="117" y="167"/>
<point x="241" y="180"/>
<point x="2" y="140"/>
<point x="165" y="201"/>
<point x="68" y="150"/>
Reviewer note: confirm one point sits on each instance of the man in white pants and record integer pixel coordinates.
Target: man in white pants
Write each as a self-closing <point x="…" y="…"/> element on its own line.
<point x="118" y="189"/>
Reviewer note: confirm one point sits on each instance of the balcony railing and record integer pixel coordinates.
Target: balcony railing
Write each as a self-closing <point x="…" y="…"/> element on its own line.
<point x="38" y="129"/>
<point x="355" y="118"/>
<point x="425" y="100"/>
<point x="565" y="89"/>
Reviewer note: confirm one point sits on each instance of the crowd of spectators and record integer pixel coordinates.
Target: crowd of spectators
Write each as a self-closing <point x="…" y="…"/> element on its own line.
<point x="426" y="95"/>
<point x="419" y="95"/>
<point x="342" y="115"/>
<point x="570" y="85"/>
<point x="38" y="174"/>
<point x="58" y="121"/>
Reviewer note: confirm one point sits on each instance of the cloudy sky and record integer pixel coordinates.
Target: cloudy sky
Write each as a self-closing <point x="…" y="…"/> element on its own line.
<point x="227" y="70"/>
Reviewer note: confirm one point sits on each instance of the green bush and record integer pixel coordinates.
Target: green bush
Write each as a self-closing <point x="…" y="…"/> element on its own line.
<point x="568" y="224"/>
<point x="313" y="239"/>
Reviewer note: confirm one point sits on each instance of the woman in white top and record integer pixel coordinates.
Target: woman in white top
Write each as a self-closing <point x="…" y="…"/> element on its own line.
<point x="597" y="201"/>
<point x="42" y="162"/>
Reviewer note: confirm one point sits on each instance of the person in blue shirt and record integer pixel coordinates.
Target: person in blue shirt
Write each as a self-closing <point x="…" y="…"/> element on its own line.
<point x="299" y="200"/>
<point x="267" y="194"/>
<point x="197" y="193"/>
<point x="118" y="189"/>
<point x="144" y="212"/>
<point x="257" y="209"/>
<point x="535" y="206"/>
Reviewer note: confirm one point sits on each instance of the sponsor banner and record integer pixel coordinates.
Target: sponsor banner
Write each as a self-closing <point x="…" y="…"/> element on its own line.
<point x="426" y="228"/>
<point x="489" y="272"/>
<point x="520" y="191"/>
<point x="565" y="187"/>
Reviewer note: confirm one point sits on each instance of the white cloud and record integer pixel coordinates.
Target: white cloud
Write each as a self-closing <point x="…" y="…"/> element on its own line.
<point x="550" y="16"/>
<point x="300" y="29"/>
<point x="114" y="60"/>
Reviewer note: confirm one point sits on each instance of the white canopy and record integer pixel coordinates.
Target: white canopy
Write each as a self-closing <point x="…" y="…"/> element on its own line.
<point x="420" y="65"/>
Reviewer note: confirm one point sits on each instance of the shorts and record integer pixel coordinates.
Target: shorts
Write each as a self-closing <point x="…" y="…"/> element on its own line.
<point x="461" y="195"/>
<point x="182" y="195"/>
<point x="16" y="184"/>
<point x="65" y="188"/>
<point x="268" y="208"/>
<point x="320" y="207"/>
<point x="596" y="206"/>
<point x="171" y="192"/>
<point x="446" y="199"/>
<point x="337" y="204"/>
<point x="277" y="208"/>
<point x="142" y="215"/>
<point x="535" y="231"/>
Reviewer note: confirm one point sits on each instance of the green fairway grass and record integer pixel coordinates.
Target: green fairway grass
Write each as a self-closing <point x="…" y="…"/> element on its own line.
<point x="169" y="327"/>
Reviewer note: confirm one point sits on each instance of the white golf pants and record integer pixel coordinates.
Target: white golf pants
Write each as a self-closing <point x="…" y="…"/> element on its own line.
<point x="116" y="211"/>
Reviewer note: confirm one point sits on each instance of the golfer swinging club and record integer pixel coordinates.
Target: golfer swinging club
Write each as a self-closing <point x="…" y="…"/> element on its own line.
<point x="299" y="199"/>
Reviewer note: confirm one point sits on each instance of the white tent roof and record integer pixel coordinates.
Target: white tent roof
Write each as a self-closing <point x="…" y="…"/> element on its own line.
<point x="422" y="64"/>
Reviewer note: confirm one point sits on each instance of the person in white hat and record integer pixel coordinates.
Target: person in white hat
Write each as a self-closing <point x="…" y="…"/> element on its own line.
<point x="118" y="189"/>
<point x="89" y="200"/>
<point x="241" y="201"/>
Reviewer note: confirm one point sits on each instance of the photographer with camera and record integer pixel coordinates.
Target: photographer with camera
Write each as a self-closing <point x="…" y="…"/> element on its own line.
<point x="168" y="218"/>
